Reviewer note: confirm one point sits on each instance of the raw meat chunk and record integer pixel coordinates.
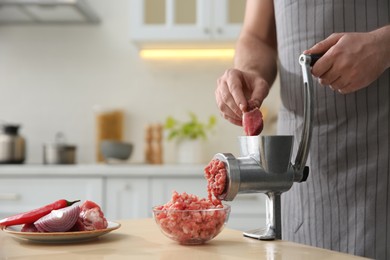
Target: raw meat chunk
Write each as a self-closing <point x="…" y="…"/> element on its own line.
<point x="91" y="217"/>
<point x="252" y="120"/>
<point x="30" y="227"/>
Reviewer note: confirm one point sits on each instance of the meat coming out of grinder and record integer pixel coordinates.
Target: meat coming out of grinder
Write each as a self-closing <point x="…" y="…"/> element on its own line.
<point x="252" y="120"/>
<point x="216" y="175"/>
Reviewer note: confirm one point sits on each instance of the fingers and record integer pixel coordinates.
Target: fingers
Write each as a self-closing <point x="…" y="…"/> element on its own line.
<point x="226" y="111"/>
<point x="340" y="85"/>
<point x="230" y="91"/>
<point x="325" y="69"/>
<point x="351" y="61"/>
<point x="325" y="63"/>
<point x="226" y="104"/>
<point x="334" y="71"/>
<point x="232" y="120"/>
<point x="260" y="92"/>
<point x="335" y="81"/>
<point x="230" y="97"/>
<point x="234" y="89"/>
<point x="325" y="73"/>
<point x="325" y="45"/>
<point x="235" y="81"/>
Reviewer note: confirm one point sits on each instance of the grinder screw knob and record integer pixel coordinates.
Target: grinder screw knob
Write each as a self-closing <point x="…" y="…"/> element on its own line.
<point x="305" y="173"/>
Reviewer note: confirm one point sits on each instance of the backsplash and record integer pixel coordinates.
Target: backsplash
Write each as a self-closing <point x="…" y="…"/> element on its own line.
<point x="54" y="76"/>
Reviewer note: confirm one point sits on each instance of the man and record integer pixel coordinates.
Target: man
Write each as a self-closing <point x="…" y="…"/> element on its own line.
<point x="345" y="203"/>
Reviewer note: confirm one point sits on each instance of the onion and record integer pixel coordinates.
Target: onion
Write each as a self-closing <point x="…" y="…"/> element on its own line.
<point x="60" y="220"/>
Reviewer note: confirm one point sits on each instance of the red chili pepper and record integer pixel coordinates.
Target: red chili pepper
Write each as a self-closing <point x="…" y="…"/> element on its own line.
<point x="35" y="214"/>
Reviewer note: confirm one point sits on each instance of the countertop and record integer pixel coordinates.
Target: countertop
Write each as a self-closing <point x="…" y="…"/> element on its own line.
<point x="102" y="170"/>
<point x="141" y="239"/>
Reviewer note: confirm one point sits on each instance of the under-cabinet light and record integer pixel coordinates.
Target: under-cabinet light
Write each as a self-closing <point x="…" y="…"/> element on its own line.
<point x="187" y="53"/>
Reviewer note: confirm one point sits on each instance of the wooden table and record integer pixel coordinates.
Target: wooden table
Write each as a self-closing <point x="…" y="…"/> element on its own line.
<point x="141" y="239"/>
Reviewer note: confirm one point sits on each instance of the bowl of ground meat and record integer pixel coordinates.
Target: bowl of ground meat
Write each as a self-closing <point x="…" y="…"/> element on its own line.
<point x="190" y="220"/>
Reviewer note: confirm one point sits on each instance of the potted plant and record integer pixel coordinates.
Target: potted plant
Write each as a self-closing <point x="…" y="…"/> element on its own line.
<point x="188" y="136"/>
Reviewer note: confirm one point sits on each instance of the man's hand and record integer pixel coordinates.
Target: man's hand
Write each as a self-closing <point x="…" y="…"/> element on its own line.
<point x="234" y="89"/>
<point x="352" y="60"/>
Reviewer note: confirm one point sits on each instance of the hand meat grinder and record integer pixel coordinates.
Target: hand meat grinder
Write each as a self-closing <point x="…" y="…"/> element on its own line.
<point x="265" y="164"/>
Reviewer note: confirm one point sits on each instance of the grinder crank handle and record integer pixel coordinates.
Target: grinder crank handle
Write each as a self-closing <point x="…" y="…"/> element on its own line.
<point x="306" y="61"/>
<point x="314" y="58"/>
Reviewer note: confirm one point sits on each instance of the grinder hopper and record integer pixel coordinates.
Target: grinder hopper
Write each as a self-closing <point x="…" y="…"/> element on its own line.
<point x="265" y="164"/>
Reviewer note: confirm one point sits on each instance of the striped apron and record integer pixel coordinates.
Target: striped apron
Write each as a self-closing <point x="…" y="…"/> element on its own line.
<point x="345" y="203"/>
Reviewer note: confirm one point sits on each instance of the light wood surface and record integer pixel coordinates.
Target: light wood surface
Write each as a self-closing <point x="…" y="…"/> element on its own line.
<point x="141" y="239"/>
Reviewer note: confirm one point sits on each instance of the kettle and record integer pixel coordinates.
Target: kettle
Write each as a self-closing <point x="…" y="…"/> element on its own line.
<point x="12" y="145"/>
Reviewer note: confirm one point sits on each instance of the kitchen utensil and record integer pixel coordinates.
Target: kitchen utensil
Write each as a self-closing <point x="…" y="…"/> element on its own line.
<point x="112" y="149"/>
<point x="12" y="145"/>
<point x="59" y="152"/>
<point x="265" y="164"/>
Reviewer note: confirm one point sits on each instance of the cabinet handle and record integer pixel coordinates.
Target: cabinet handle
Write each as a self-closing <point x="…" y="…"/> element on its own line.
<point x="219" y="30"/>
<point x="9" y="196"/>
<point x="206" y="30"/>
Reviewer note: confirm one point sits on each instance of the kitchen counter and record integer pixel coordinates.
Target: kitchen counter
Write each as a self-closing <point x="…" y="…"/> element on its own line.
<point x="124" y="191"/>
<point x="102" y="170"/>
<point x="141" y="239"/>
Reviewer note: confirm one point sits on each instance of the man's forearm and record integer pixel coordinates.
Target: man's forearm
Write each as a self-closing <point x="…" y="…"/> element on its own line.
<point x="383" y="41"/>
<point x="255" y="56"/>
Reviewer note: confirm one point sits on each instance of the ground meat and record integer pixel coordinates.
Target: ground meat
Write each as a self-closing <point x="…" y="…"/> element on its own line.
<point x="252" y="120"/>
<point x="215" y="174"/>
<point x="190" y="226"/>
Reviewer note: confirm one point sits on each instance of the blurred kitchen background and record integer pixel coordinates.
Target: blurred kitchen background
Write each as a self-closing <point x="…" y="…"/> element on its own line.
<point x="57" y="76"/>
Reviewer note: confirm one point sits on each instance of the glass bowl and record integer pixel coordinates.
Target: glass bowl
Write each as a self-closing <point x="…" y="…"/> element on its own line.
<point x="191" y="227"/>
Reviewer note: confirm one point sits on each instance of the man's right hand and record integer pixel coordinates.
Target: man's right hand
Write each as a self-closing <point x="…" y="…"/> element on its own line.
<point x="234" y="89"/>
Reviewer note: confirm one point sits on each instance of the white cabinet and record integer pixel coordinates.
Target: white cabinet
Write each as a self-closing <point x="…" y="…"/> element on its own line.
<point x="127" y="198"/>
<point x="247" y="211"/>
<point x="23" y="194"/>
<point x="186" y="20"/>
<point x="122" y="192"/>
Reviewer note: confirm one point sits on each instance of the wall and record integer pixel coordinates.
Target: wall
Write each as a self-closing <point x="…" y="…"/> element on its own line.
<point x="52" y="77"/>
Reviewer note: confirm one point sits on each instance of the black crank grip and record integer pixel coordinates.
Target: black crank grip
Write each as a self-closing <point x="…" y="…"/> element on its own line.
<point x="314" y="58"/>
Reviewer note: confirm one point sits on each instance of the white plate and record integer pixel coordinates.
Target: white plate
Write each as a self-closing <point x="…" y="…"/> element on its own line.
<point x="60" y="237"/>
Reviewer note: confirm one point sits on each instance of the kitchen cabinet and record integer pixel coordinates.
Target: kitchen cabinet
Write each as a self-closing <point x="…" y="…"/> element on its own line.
<point x="127" y="198"/>
<point x="247" y="211"/>
<point x="123" y="192"/>
<point x="186" y="20"/>
<point x="20" y="194"/>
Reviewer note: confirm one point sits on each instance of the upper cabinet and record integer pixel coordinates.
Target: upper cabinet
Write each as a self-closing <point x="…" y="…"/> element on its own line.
<point x="186" y="20"/>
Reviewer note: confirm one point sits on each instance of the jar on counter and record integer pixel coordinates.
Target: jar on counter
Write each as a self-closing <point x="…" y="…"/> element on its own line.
<point x="59" y="152"/>
<point x="12" y="145"/>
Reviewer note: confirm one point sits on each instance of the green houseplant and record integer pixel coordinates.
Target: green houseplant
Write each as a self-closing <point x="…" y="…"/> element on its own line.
<point x="188" y="136"/>
<point x="192" y="129"/>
